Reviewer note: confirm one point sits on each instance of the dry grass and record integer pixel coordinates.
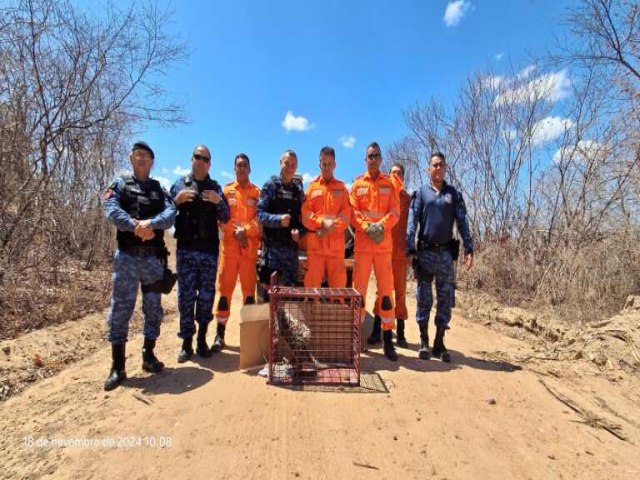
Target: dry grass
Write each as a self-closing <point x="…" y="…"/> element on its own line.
<point x="579" y="283"/>
<point x="34" y="299"/>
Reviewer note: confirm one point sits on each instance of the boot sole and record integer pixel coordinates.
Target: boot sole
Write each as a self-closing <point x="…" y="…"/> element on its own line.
<point x="183" y="359"/>
<point x="151" y="369"/>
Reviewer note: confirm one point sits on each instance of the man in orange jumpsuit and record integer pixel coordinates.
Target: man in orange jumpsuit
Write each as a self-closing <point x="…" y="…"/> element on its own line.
<point x="399" y="258"/>
<point x="326" y="213"/>
<point x="375" y="210"/>
<point x="240" y="242"/>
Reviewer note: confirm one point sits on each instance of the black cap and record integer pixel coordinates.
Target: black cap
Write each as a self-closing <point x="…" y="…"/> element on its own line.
<point x="143" y="146"/>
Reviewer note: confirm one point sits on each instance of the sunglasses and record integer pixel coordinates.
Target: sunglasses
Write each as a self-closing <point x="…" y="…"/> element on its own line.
<point x="373" y="156"/>
<point x="201" y="158"/>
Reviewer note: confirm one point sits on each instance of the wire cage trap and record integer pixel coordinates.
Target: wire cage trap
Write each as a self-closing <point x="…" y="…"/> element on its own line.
<point x="314" y="336"/>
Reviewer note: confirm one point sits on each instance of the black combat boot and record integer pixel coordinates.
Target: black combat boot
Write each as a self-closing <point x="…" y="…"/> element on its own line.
<point x="375" y="334"/>
<point x="117" y="374"/>
<point x="423" y="353"/>
<point x="187" y="350"/>
<point x="218" y="343"/>
<point x="202" y="348"/>
<point x="401" y="341"/>
<point x="149" y="361"/>
<point x="249" y="300"/>
<point x="389" y="349"/>
<point x="439" y="350"/>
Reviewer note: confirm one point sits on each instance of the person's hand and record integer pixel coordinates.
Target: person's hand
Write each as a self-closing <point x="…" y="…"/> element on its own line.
<point x="370" y="231"/>
<point x="329" y="225"/>
<point x="375" y="231"/>
<point x="468" y="261"/>
<point x="285" y="220"/>
<point x="295" y="235"/>
<point x="211" y="196"/>
<point x="239" y="232"/>
<point x="144" y="230"/>
<point x="184" y="196"/>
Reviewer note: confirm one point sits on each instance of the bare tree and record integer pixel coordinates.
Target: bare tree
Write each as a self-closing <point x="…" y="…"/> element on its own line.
<point x="73" y="87"/>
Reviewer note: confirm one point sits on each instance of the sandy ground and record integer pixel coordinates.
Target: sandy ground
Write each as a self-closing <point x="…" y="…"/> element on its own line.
<point x="501" y="409"/>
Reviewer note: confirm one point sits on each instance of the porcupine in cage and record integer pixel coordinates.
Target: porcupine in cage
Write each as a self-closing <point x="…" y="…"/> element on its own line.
<point x="297" y="336"/>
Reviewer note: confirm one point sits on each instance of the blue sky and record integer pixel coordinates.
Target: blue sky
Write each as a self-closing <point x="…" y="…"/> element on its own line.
<point x="265" y="76"/>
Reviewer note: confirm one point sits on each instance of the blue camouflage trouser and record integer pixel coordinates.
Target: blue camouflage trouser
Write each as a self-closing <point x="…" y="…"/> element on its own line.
<point x="440" y="266"/>
<point x="196" y="288"/>
<point x="128" y="272"/>
<point x="285" y="260"/>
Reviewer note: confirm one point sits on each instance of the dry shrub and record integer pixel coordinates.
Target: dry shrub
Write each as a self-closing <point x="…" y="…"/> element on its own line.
<point x="583" y="282"/>
<point x="36" y="298"/>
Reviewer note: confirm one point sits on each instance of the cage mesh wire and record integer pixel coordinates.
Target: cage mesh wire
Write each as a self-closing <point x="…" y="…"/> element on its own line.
<point x="314" y="336"/>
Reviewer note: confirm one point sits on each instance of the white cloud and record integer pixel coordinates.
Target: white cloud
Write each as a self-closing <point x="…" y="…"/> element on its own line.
<point x="225" y="174"/>
<point x="584" y="150"/>
<point x="455" y="11"/>
<point x="493" y="82"/>
<point x="549" y="129"/>
<point x="526" y="72"/>
<point x="307" y="177"/>
<point x="164" y="171"/>
<point x="300" y="124"/>
<point x="164" y="181"/>
<point x="498" y="56"/>
<point x="348" y="185"/>
<point x="348" y="141"/>
<point x="181" y="171"/>
<point x="550" y="86"/>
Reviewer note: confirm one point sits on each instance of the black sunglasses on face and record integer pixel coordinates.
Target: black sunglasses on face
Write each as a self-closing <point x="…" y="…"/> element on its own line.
<point x="202" y="158"/>
<point x="373" y="156"/>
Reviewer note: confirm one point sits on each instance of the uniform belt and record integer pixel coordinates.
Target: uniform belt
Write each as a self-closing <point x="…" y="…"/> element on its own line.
<point x="141" y="251"/>
<point x="433" y="247"/>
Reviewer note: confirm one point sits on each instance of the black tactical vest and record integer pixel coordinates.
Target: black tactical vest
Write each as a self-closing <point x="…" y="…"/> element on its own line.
<point x="141" y="200"/>
<point x="287" y="200"/>
<point x="197" y="221"/>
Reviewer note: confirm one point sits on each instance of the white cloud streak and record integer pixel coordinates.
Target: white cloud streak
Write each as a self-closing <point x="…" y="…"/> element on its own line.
<point x="498" y="56"/>
<point x="299" y="124"/>
<point x="348" y="141"/>
<point x="181" y="171"/>
<point x="307" y="177"/>
<point x="455" y="11"/>
<point x="550" y="128"/>
<point x="550" y="86"/>
<point x="225" y="174"/>
<point x="164" y="181"/>
<point x="584" y="150"/>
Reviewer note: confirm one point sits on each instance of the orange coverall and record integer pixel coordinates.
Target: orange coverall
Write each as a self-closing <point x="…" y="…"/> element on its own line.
<point x="234" y="259"/>
<point x="399" y="256"/>
<point x="326" y="200"/>
<point x="374" y="201"/>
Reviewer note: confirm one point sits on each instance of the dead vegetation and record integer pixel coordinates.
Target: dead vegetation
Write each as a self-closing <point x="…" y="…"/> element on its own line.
<point x="547" y="157"/>
<point x="73" y="87"/>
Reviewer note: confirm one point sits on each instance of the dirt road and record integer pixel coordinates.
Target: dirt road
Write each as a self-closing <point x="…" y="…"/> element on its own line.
<point x="486" y="415"/>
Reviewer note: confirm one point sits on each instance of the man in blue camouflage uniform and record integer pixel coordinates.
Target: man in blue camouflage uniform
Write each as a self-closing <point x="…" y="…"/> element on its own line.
<point x="434" y="209"/>
<point x="141" y="210"/>
<point x="279" y="210"/>
<point x="201" y="205"/>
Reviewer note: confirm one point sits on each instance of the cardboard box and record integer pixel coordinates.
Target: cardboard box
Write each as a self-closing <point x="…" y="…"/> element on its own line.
<point x="254" y="335"/>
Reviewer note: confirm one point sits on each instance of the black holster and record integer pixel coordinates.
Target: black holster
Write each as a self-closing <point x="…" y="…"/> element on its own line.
<point x="168" y="280"/>
<point x="455" y="249"/>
